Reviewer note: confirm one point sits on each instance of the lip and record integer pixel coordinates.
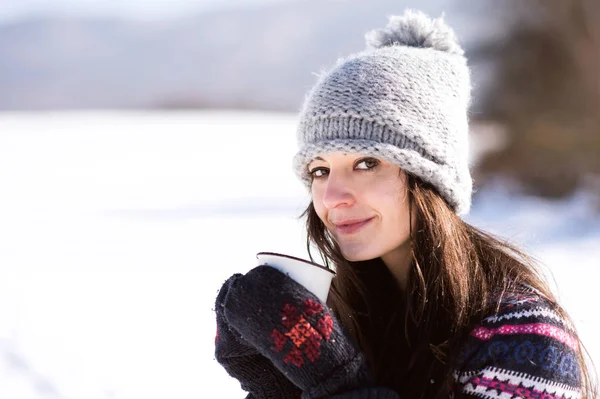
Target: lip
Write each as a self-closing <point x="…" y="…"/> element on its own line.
<point x="352" y="226"/>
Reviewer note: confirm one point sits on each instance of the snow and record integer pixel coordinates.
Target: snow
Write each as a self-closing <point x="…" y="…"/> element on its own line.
<point x="118" y="228"/>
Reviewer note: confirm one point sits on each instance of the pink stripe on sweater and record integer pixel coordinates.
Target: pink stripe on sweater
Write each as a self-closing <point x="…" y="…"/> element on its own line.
<point x="543" y="329"/>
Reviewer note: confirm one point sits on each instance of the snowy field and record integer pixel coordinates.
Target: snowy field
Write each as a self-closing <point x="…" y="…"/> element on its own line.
<point x="117" y="229"/>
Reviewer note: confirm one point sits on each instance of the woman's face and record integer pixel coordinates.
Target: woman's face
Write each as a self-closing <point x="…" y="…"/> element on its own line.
<point x="349" y="188"/>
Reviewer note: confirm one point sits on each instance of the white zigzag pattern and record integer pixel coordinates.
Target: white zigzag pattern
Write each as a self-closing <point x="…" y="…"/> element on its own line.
<point x="513" y="377"/>
<point x="538" y="312"/>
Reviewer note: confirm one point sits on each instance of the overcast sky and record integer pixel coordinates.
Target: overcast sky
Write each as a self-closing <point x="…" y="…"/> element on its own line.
<point x="144" y="9"/>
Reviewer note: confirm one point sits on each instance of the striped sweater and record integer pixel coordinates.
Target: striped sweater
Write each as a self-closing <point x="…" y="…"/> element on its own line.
<point x="526" y="350"/>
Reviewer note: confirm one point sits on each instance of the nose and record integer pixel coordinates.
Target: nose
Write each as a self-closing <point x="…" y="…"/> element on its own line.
<point x="337" y="192"/>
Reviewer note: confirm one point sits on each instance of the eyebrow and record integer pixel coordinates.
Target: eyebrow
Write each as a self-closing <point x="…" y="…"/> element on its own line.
<point x="312" y="160"/>
<point x="315" y="159"/>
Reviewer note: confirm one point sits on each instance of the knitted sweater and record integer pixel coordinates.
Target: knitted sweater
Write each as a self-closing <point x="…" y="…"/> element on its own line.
<point x="526" y="350"/>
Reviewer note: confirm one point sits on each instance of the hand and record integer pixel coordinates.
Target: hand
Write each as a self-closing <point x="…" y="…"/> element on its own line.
<point x="290" y="326"/>
<point x="256" y="374"/>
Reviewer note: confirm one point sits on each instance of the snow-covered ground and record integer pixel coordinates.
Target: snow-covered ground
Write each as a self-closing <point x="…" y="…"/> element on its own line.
<point x="117" y="229"/>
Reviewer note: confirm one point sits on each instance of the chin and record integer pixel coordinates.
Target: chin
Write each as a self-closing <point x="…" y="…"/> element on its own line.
<point x="359" y="256"/>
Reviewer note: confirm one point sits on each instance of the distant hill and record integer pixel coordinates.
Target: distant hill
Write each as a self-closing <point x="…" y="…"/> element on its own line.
<point x="255" y="57"/>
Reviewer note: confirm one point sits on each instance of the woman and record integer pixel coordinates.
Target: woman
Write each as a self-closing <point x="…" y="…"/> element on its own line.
<point x="422" y="304"/>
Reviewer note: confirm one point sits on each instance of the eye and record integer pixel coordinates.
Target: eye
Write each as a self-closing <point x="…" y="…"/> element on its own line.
<point x="318" y="172"/>
<point x="369" y="163"/>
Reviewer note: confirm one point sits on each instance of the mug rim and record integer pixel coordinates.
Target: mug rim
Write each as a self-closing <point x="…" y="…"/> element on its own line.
<point x="295" y="258"/>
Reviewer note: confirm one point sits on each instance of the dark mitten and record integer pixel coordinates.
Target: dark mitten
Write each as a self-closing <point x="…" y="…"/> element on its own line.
<point x="296" y="331"/>
<point x="256" y="374"/>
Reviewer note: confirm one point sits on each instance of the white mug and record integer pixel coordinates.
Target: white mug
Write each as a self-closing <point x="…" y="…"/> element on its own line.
<point x="316" y="278"/>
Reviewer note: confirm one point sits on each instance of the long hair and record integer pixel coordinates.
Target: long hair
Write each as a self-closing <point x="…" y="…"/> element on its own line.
<point x="410" y="336"/>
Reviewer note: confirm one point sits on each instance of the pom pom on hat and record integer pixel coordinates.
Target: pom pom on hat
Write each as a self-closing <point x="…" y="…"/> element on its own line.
<point x="415" y="29"/>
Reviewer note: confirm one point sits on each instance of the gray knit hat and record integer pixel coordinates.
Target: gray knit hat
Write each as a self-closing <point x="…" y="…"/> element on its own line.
<point x="404" y="99"/>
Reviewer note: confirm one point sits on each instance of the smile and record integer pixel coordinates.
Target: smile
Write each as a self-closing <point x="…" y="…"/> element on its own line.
<point x="352" y="228"/>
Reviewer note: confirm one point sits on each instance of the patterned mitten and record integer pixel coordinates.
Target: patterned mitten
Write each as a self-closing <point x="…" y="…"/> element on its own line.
<point x="257" y="374"/>
<point x="295" y="330"/>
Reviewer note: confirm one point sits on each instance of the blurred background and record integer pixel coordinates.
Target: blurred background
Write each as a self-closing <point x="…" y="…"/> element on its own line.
<point x="145" y="156"/>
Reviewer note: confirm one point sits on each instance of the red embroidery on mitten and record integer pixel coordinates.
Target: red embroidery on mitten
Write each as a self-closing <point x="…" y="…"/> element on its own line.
<point x="279" y="339"/>
<point x="294" y="357"/>
<point x="325" y="326"/>
<point x="311" y="349"/>
<point x="289" y="315"/>
<point x="299" y="332"/>
<point x="312" y="308"/>
<point x="305" y="338"/>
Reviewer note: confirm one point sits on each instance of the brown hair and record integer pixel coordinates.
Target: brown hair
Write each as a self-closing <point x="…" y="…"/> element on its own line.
<point x="410" y="337"/>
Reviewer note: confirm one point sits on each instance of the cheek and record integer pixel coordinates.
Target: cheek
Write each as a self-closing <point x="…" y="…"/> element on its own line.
<point x="314" y="192"/>
<point x="320" y="210"/>
<point x="393" y="205"/>
<point x="401" y="228"/>
<point x="401" y="219"/>
<point x="317" y="202"/>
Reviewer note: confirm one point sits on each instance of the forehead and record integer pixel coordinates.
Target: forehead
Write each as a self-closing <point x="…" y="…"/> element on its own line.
<point x="335" y="155"/>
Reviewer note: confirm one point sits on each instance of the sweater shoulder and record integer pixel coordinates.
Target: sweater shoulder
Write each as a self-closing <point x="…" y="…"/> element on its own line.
<point x="527" y="346"/>
<point x="526" y="306"/>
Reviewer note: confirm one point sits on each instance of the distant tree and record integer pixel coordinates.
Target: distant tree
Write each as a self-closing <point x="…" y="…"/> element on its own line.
<point x="546" y="94"/>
